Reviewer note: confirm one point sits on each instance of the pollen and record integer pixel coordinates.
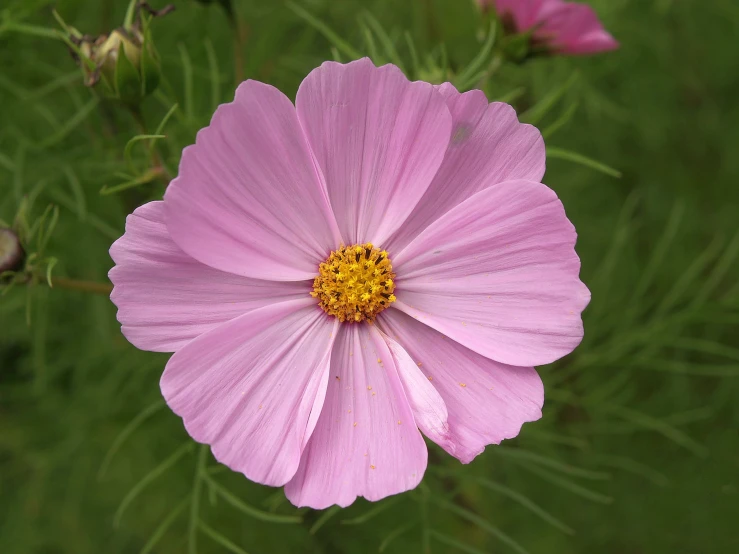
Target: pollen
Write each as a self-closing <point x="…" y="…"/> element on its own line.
<point x="355" y="283"/>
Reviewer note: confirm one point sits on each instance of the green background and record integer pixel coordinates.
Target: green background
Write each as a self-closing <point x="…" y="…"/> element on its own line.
<point x="638" y="450"/>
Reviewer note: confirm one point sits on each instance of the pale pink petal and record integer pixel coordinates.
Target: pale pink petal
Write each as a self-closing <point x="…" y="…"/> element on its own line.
<point x="498" y="274"/>
<point x="576" y="29"/>
<point x="248" y="199"/>
<point x="366" y="442"/>
<point x="378" y="139"/>
<point x="488" y="146"/>
<point x="165" y="298"/>
<point x="487" y="401"/>
<point x="253" y="387"/>
<point x="429" y="410"/>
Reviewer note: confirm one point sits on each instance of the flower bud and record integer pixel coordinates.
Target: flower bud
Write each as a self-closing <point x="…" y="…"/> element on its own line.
<point x="123" y="64"/>
<point x="11" y="251"/>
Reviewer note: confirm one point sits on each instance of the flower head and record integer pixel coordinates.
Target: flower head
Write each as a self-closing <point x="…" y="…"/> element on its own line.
<point x="554" y="26"/>
<point x="337" y="275"/>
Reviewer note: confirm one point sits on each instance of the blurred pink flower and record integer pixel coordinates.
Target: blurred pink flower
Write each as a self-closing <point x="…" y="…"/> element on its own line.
<point x="261" y="248"/>
<point x="559" y="26"/>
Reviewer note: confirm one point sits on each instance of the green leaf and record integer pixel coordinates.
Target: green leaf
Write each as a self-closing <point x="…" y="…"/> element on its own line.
<point x="568" y="155"/>
<point x="131" y="143"/>
<point x="148" y="176"/>
<point x="50" y="263"/>
<point x="127" y="79"/>
<point x="537" y="112"/>
<point x="526" y="503"/>
<point x="165" y="525"/>
<point x="324" y="518"/>
<point x="566" y="484"/>
<point x="372" y="512"/>
<point x="470" y="73"/>
<point x="387" y="44"/>
<point x="215" y="76"/>
<point x="69" y="126"/>
<point x="369" y="40"/>
<point x="512" y="95"/>
<point x="561" y="121"/>
<point x="126" y="432"/>
<point x="481" y="523"/>
<point x="220" y="539"/>
<point x="657" y="425"/>
<point x="187" y="78"/>
<point x="149" y="478"/>
<point x="520" y="454"/>
<point x="451" y="541"/>
<point x="77" y="192"/>
<point x="130" y="14"/>
<point x="325" y="30"/>
<point x="150" y="67"/>
<point x="415" y="62"/>
<point x="635" y="467"/>
<point x="394" y="534"/>
<point x="249" y="510"/>
<point x="194" y="519"/>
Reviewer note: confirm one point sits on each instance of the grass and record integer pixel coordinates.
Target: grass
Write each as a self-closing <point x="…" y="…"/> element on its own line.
<point x="637" y="449"/>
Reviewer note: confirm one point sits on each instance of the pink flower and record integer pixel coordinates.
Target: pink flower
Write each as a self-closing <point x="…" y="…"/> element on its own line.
<point x="559" y="26"/>
<point x="270" y="263"/>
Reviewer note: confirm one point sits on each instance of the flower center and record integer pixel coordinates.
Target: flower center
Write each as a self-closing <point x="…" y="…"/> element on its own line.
<point x="355" y="283"/>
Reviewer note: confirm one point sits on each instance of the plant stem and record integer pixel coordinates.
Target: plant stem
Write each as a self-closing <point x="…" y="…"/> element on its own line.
<point x="155" y="158"/>
<point x="239" y="31"/>
<point x="192" y="544"/>
<point x="495" y="63"/>
<point x="82" y="286"/>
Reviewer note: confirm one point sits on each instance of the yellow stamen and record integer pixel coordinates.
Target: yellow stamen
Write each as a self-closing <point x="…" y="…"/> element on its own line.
<point x="355" y="283"/>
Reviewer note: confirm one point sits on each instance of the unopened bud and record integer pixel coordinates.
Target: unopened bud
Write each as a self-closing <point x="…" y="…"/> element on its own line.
<point x="11" y="251"/>
<point x="123" y="64"/>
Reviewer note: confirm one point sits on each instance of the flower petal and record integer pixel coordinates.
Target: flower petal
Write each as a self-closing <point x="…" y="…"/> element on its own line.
<point x="378" y="139"/>
<point x="576" y="29"/>
<point x="248" y="199"/>
<point x="252" y="388"/>
<point x="487" y="401"/>
<point x="488" y="146"/>
<point x="165" y="298"/>
<point x="498" y="274"/>
<point x="366" y="443"/>
<point x="429" y="410"/>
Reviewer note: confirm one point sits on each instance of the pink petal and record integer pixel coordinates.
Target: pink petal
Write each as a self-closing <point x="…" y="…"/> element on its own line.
<point x="165" y="298"/>
<point x="378" y="139"/>
<point x="249" y="199"/>
<point x="366" y="442"/>
<point x="567" y="27"/>
<point x="488" y="146"/>
<point x="577" y="30"/>
<point x="525" y="13"/>
<point x="253" y="387"/>
<point x="498" y="274"/>
<point x="487" y="401"/>
<point x="429" y="410"/>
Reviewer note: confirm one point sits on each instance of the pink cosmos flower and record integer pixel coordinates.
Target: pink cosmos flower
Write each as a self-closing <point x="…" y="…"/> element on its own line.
<point x="336" y="275"/>
<point x="559" y="26"/>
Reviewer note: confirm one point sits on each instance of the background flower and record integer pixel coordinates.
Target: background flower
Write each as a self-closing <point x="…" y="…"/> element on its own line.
<point x="556" y="26"/>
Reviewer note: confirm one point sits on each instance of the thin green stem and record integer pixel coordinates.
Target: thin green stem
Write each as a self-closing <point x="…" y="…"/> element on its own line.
<point x="156" y="160"/>
<point x="82" y="286"/>
<point x="495" y="64"/>
<point x="192" y="543"/>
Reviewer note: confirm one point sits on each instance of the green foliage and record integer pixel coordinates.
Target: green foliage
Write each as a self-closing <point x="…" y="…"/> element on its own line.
<point x="637" y="448"/>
